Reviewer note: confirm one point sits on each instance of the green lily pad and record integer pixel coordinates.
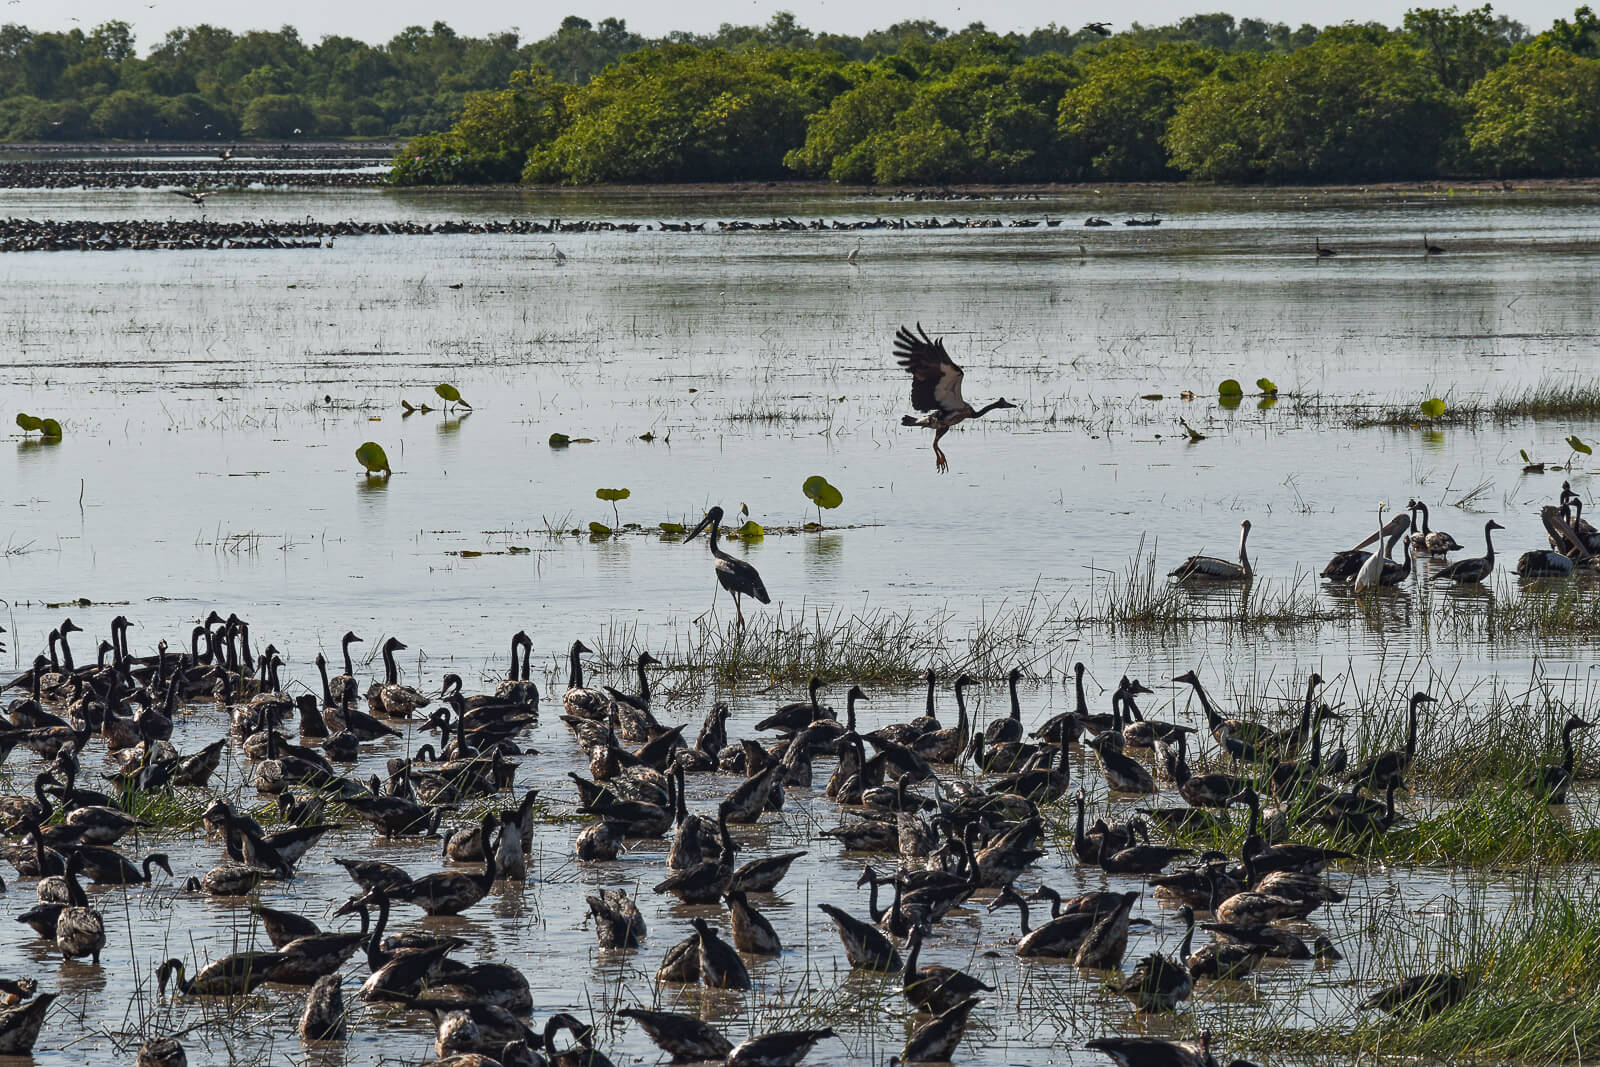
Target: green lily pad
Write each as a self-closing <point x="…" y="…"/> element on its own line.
<point x="1267" y="386"/>
<point x="559" y="440"/>
<point x="821" y="493"/>
<point x="1433" y="407"/>
<point x="50" y="428"/>
<point x="29" y="423"/>
<point x="599" y="529"/>
<point x="1230" y="387"/>
<point x="612" y="495"/>
<point x="450" y="394"/>
<point x="1572" y="443"/>
<point x="372" y="456"/>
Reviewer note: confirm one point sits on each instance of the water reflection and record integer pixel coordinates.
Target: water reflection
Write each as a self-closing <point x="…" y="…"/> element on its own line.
<point x="823" y="553"/>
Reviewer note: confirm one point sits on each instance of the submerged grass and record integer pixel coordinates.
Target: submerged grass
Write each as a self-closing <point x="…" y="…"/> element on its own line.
<point x="1143" y="597"/>
<point x="869" y="645"/>
<point x="1549" y="398"/>
<point x="1492" y="827"/>
<point x="1535" y="985"/>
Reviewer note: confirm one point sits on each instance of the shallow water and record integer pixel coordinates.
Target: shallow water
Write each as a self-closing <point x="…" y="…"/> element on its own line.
<point x="213" y="401"/>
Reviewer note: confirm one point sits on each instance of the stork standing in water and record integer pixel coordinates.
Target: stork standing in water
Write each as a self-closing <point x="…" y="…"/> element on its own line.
<point x="935" y="387"/>
<point x="735" y="575"/>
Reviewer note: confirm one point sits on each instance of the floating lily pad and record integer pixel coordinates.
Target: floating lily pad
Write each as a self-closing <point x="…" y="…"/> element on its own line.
<point x="1267" y="386"/>
<point x="1572" y="443"/>
<point x="1230" y="387"/>
<point x="1433" y="407"/>
<point x="559" y="440"/>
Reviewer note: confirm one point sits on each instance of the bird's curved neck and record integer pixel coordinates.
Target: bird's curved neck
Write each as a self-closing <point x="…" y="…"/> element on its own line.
<point x="1244" y="560"/>
<point x="575" y="677"/>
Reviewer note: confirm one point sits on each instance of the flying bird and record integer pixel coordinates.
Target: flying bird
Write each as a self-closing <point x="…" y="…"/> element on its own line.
<point x="195" y="196"/>
<point x="935" y="387"/>
<point x="1101" y="28"/>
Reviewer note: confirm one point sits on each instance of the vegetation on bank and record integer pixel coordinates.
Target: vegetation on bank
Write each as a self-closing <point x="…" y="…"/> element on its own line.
<point x="1449" y="92"/>
<point x="205" y="83"/>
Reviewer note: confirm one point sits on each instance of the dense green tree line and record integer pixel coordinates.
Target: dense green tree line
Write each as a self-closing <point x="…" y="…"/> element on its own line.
<point x="206" y="83"/>
<point x="1210" y="97"/>
<point x="1447" y="92"/>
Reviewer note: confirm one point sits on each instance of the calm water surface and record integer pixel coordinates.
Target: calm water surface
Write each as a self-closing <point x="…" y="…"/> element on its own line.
<point x="213" y="402"/>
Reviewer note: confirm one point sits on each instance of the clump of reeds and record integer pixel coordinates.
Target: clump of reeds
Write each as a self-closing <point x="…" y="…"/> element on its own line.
<point x="1142" y="597"/>
<point x="1533" y="968"/>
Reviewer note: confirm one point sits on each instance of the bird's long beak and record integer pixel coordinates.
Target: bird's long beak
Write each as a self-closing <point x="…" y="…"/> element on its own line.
<point x="703" y="524"/>
<point x="1392" y="527"/>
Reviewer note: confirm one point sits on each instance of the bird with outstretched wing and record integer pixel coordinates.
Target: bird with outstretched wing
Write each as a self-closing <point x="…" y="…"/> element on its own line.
<point x="935" y="387"/>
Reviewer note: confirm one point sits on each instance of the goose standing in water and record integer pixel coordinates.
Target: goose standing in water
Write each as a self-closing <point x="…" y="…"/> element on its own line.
<point x="1217" y="570"/>
<point x="683" y="1037"/>
<point x="390" y="697"/>
<point x="581" y="701"/>
<point x="739" y="577"/>
<point x="1426" y="539"/>
<point x="323" y="1018"/>
<point x="783" y="1048"/>
<point x="935" y="1041"/>
<point x="936" y="388"/>
<point x="1551" y="782"/>
<point x="346" y="682"/>
<point x="1587" y="534"/>
<point x="1476" y="569"/>
<point x="80" y="930"/>
<point x="1389" y="767"/>
<point x="19" y="1027"/>
<point x="1553" y="562"/>
<point x="1154" y="1052"/>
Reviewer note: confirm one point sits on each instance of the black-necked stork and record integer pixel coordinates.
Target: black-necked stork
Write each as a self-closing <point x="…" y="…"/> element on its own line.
<point x="735" y="575"/>
<point x="935" y="387"/>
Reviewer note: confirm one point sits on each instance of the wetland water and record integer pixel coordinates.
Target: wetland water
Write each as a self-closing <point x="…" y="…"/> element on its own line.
<point x="212" y="402"/>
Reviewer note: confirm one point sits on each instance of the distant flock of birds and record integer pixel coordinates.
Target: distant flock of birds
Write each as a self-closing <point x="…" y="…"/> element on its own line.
<point x="1573" y="544"/>
<point x="957" y="809"/>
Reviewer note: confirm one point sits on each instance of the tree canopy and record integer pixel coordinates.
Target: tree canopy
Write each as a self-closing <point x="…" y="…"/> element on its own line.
<point x="1211" y="97"/>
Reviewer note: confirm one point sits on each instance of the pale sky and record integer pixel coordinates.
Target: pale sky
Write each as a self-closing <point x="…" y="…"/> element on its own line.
<point x="374" y="21"/>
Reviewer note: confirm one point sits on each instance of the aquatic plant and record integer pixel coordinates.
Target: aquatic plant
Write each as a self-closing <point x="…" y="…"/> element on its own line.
<point x="450" y="395"/>
<point x="372" y="456"/>
<point x="612" y="496"/>
<point x="48" y="429"/>
<point x="821" y="493"/>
